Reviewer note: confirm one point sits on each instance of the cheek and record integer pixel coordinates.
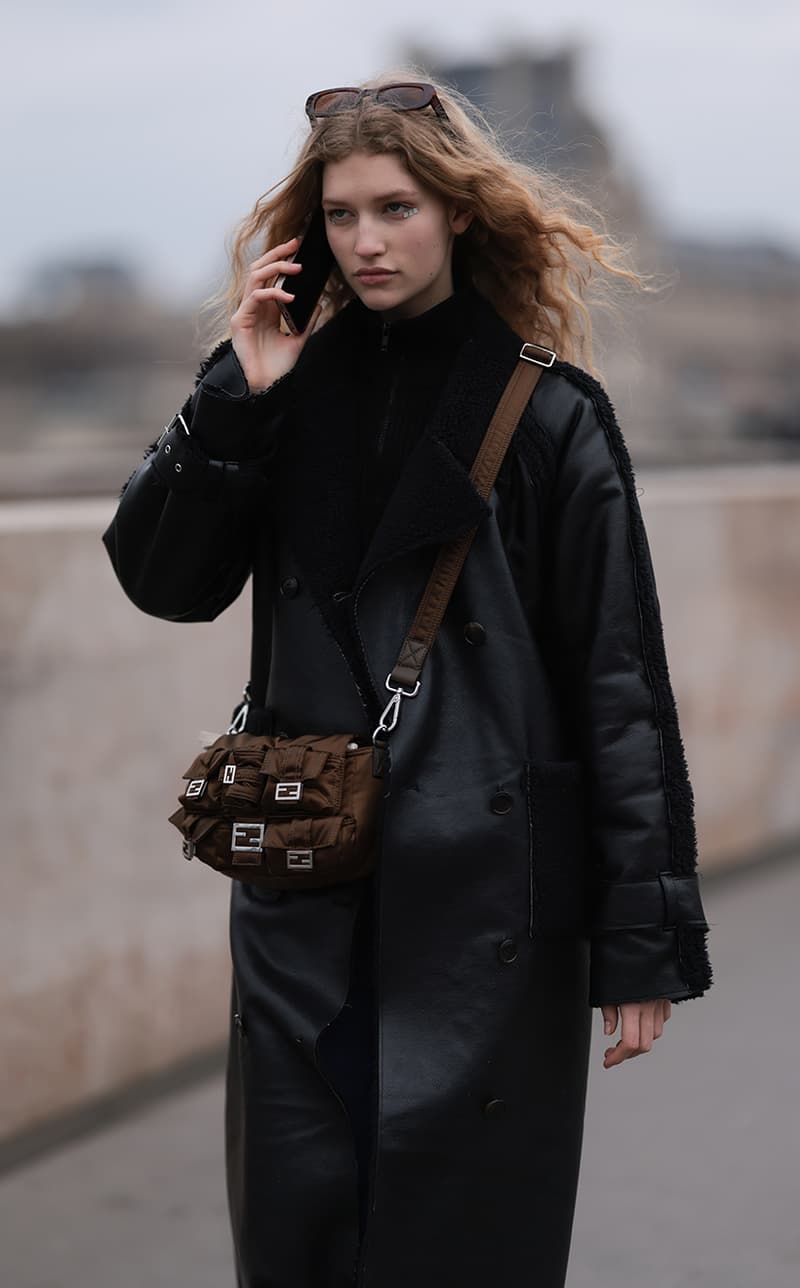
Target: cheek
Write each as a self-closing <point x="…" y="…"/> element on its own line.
<point x="424" y="235"/>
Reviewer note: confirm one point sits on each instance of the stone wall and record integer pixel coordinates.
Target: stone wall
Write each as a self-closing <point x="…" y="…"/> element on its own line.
<point x="113" y="954"/>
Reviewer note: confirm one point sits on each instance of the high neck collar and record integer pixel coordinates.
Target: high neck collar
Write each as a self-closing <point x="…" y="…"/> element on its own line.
<point x="441" y="326"/>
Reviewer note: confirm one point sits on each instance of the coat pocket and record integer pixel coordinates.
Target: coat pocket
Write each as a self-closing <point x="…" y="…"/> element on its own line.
<point x="558" y="849"/>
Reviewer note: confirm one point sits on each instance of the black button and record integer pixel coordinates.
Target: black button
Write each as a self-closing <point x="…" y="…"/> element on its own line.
<point x="290" y="587"/>
<point x="493" y="1108"/>
<point x="341" y="594"/>
<point x="501" y="803"/>
<point x="507" y="951"/>
<point x="474" y="633"/>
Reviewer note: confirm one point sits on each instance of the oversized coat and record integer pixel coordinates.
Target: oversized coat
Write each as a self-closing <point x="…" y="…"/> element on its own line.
<point x="538" y="851"/>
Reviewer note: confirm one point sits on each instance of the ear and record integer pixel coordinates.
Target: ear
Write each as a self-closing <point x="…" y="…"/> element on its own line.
<point x="459" y="220"/>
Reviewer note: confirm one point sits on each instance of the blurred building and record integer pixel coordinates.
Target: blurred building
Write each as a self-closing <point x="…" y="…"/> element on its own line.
<point x="706" y="370"/>
<point x="90" y="368"/>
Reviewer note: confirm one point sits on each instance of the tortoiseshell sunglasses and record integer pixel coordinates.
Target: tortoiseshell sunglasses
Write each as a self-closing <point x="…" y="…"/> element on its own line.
<point x="406" y="96"/>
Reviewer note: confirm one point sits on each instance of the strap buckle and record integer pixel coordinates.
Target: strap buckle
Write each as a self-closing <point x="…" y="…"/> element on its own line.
<point x="177" y="419"/>
<point x="540" y="362"/>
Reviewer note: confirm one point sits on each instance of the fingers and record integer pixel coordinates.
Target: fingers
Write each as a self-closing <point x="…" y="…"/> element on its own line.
<point x="659" y="1018"/>
<point x="266" y="278"/>
<point x="273" y="269"/>
<point x="646" y="1021"/>
<point x="609" y="1018"/>
<point x="641" y="1024"/>
<point x="261" y="282"/>
<point x="275" y="252"/>
<point x="251" y="306"/>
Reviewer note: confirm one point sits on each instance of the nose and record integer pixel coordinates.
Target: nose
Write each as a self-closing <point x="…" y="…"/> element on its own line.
<point x="369" y="242"/>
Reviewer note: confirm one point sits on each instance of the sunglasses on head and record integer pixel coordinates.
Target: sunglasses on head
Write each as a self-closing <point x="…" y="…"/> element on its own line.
<point x="406" y="96"/>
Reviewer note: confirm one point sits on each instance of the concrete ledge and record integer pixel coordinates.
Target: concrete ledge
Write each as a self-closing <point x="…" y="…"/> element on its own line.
<point x="114" y="951"/>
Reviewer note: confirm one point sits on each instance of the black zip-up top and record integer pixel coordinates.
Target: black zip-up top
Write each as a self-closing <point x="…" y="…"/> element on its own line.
<point x="405" y="365"/>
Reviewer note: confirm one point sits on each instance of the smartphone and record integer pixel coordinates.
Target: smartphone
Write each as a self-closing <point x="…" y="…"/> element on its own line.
<point x="316" y="256"/>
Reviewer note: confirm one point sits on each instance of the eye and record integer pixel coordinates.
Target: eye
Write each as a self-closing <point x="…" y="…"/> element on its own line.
<point x="340" y="210"/>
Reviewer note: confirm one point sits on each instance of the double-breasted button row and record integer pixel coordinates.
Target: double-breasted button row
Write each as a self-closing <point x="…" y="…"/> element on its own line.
<point x="501" y="803"/>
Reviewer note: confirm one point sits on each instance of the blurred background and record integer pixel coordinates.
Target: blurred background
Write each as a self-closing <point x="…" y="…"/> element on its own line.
<point x="135" y="137"/>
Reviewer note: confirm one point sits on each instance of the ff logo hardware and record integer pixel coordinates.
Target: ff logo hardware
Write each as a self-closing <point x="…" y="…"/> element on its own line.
<point x="247" y="838"/>
<point x="288" y="791"/>
<point x="299" y="859"/>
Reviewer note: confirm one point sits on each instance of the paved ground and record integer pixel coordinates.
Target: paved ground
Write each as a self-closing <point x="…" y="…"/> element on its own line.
<point x="690" y="1170"/>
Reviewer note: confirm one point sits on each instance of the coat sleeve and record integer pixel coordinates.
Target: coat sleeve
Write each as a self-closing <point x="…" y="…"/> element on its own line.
<point x="648" y="935"/>
<point x="182" y="536"/>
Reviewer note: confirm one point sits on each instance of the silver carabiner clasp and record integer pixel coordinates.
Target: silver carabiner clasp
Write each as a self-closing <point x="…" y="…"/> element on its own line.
<point x="392" y="708"/>
<point x="241" y="719"/>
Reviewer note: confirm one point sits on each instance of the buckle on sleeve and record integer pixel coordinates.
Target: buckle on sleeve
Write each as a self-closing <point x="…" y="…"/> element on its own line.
<point x="177" y="419"/>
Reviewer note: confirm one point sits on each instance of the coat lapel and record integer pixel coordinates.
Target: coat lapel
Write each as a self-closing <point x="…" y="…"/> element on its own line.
<point x="433" y="499"/>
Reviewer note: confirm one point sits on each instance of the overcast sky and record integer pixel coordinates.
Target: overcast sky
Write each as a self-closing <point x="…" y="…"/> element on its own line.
<point x="146" y="128"/>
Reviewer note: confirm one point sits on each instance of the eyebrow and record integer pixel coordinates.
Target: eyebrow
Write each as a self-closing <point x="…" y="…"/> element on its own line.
<point x="386" y="196"/>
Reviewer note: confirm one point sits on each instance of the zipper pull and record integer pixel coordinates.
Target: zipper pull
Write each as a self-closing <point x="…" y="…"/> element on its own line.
<point x="384" y="336"/>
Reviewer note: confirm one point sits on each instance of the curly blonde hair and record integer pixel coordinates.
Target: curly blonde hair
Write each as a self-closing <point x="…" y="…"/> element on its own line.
<point x="536" y="248"/>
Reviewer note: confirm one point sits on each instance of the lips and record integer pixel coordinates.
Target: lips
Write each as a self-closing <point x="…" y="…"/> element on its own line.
<point x="375" y="272"/>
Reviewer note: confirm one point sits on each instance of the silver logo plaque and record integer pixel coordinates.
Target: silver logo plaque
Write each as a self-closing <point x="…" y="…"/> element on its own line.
<point x="288" y="791"/>
<point x="303" y="859"/>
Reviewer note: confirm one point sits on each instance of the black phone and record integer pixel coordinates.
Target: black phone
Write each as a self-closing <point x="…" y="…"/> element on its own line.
<point x="317" y="260"/>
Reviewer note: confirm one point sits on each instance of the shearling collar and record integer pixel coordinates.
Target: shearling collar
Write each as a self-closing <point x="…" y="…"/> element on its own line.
<point x="441" y="327"/>
<point x="433" y="499"/>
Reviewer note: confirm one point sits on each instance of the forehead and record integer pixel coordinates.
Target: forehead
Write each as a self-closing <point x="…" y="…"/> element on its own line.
<point x="365" y="177"/>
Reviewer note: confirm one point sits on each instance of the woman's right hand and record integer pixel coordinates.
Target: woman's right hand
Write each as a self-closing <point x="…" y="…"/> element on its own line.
<point x="265" y="353"/>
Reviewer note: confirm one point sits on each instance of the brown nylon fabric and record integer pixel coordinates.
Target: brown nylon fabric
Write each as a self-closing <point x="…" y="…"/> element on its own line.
<point x="335" y="818"/>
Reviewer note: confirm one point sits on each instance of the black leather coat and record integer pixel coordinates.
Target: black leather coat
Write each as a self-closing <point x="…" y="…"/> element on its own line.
<point x="538" y="854"/>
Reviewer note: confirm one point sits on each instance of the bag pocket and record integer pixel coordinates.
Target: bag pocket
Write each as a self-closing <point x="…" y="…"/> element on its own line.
<point x="558" y="849"/>
<point x="202" y="790"/>
<point x="302" y="780"/>
<point x="308" y="844"/>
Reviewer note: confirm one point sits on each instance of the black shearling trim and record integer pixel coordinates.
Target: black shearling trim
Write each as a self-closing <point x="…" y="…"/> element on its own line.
<point x="677" y="784"/>
<point x="216" y="353"/>
<point x="695" y="964"/>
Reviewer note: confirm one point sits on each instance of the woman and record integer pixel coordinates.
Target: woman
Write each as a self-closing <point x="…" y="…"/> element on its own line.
<point x="408" y="1055"/>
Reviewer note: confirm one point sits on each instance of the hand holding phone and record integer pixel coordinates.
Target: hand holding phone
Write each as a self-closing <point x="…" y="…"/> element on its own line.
<point x="265" y="353"/>
<point x="316" y="258"/>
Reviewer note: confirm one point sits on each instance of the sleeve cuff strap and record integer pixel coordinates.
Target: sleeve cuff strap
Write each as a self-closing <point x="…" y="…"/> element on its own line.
<point x="665" y="903"/>
<point x="184" y="468"/>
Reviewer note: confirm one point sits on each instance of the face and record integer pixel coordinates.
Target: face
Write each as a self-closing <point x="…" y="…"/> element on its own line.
<point x="378" y="216"/>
